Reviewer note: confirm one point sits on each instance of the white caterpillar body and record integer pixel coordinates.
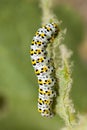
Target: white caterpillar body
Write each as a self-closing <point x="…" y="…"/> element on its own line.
<point x="43" y="67"/>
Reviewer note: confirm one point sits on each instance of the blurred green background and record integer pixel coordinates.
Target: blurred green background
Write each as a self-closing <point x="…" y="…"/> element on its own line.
<point x="19" y="20"/>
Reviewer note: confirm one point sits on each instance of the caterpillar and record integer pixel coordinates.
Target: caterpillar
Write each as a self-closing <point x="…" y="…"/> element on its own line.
<point x="43" y="67"/>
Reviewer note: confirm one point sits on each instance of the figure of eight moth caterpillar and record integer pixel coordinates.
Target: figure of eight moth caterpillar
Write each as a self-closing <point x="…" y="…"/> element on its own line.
<point x="43" y="67"/>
